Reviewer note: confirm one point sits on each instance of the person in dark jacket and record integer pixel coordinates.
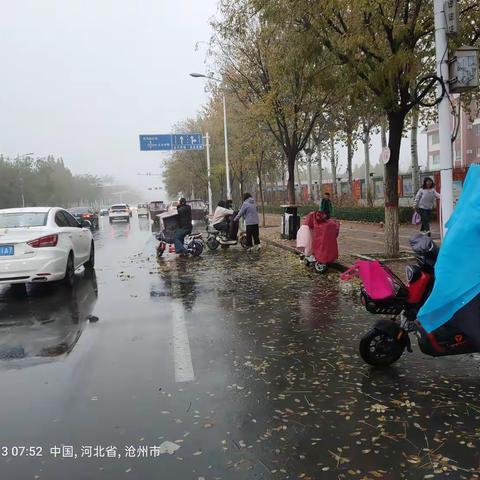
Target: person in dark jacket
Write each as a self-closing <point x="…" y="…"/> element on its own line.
<point x="184" y="212"/>
<point x="250" y="213"/>
<point x="326" y="205"/>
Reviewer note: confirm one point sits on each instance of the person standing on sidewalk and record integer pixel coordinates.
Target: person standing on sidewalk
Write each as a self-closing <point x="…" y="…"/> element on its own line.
<point x="425" y="202"/>
<point x="250" y="213"/>
<point x="326" y="205"/>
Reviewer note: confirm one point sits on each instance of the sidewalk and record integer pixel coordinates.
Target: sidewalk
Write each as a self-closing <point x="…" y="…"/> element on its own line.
<point x="355" y="239"/>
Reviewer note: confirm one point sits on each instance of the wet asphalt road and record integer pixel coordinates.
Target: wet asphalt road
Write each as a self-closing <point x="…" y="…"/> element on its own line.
<point x="245" y="362"/>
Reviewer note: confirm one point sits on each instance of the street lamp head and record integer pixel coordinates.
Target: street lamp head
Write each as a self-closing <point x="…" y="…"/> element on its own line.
<point x="209" y="77"/>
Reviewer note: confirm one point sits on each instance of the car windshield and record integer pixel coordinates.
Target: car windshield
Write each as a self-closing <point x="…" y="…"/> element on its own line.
<point x="141" y="205"/>
<point x="79" y="210"/>
<point x="119" y="207"/>
<point x="157" y="205"/>
<point x="197" y="204"/>
<point x="23" y="219"/>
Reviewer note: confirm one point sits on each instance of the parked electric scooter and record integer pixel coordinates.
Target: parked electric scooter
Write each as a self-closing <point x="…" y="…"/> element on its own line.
<point x="385" y="343"/>
<point x="217" y="238"/>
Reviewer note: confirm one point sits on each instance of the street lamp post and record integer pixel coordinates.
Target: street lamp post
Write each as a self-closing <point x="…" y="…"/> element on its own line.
<point x="210" y="206"/>
<point x="225" y="131"/>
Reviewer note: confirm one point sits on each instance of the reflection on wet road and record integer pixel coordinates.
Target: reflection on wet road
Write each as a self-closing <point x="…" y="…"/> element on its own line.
<point x="246" y="363"/>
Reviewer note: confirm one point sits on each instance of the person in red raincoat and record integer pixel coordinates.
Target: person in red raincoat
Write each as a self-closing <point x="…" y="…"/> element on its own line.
<point x="324" y="237"/>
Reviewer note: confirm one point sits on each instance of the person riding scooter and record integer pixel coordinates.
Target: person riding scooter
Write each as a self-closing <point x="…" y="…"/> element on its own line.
<point x="184" y="212"/>
<point x="224" y="222"/>
<point x="221" y="217"/>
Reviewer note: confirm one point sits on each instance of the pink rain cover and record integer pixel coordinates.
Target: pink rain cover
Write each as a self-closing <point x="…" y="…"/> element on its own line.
<point x="304" y="239"/>
<point x="324" y="238"/>
<point x="376" y="280"/>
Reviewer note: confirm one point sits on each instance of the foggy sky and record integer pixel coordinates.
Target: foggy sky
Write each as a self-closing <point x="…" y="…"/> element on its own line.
<point x="82" y="79"/>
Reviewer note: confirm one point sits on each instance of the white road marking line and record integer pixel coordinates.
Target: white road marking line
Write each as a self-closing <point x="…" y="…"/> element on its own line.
<point x="181" y="345"/>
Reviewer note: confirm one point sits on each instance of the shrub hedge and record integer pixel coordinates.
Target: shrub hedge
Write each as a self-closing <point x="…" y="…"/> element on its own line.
<point x="360" y="214"/>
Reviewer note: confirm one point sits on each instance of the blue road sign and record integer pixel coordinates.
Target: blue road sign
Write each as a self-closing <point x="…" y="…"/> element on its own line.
<point x="155" y="142"/>
<point x="187" y="141"/>
<point x="179" y="141"/>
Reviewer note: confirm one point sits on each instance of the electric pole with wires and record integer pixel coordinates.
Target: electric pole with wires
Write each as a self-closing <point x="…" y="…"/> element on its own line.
<point x="444" y="115"/>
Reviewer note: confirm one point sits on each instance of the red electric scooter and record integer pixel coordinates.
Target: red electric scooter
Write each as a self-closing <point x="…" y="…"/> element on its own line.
<point x="385" y="343"/>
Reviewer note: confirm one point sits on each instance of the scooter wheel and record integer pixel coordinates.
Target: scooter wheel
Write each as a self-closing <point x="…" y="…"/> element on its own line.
<point x="212" y="243"/>
<point x="320" y="267"/>
<point x="197" y="248"/>
<point x="379" y="349"/>
<point x="243" y="240"/>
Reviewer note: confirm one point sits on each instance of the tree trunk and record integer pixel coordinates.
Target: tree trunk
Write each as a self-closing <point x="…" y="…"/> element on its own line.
<point x="333" y="164"/>
<point x="299" y="181"/>
<point x="349" y="159"/>
<point x="241" y="185"/>
<point x="395" y="127"/>
<point x="284" y="183"/>
<point x="309" y="173"/>
<point x="383" y="135"/>
<point x="366" y="147"/>
<point x="260" y="187"/>
<point x="291" y="162"/>
<point x="320" y="173"/>
<point x="414" y="152"/>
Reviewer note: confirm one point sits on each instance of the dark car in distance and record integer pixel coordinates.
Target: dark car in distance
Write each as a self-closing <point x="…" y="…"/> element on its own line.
<point x="85" y="213"/>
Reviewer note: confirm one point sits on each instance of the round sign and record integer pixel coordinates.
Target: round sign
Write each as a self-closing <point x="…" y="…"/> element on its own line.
<point x="385" y="155"/>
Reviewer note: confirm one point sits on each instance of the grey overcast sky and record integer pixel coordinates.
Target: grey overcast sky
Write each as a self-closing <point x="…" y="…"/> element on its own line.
<point x="82" y="79"/>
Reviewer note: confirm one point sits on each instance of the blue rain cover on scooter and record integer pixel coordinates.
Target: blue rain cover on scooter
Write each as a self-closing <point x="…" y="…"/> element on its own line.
<point x="457" y="271"/>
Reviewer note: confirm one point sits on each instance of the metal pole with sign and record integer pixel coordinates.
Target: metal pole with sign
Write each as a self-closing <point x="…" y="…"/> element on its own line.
<point x="207" y="144"/>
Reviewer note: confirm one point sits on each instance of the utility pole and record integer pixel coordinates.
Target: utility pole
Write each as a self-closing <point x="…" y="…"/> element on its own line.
<point x="227" y="163"/>
<point x="210" y="206"/>
<point x="444" y="118"/>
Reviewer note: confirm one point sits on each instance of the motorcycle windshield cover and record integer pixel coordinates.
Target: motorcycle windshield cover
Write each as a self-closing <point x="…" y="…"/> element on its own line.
<point x="457" y="271"/>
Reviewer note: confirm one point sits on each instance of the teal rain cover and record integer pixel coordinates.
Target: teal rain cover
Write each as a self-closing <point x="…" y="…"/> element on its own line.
<point x="457" y="271"/>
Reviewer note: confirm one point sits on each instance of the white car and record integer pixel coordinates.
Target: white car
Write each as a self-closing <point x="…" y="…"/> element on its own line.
<point x="120" y="211"/>
<point x="43" y="245"/>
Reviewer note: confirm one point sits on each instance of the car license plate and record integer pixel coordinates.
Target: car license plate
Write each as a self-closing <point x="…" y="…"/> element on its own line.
<point x="6" y="250"/>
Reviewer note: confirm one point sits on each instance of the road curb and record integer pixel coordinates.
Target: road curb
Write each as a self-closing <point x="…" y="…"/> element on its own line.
<point x="336" y="265"/>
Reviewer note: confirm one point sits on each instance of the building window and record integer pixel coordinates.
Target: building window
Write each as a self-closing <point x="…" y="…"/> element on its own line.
<point x="435" y="159"/>
<point x="469" y="152"/>
<point x="476" y="129"/>
<point x="478" y="152"/>
<point x="458" y="155"/>
<point x="435" y="138"/>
